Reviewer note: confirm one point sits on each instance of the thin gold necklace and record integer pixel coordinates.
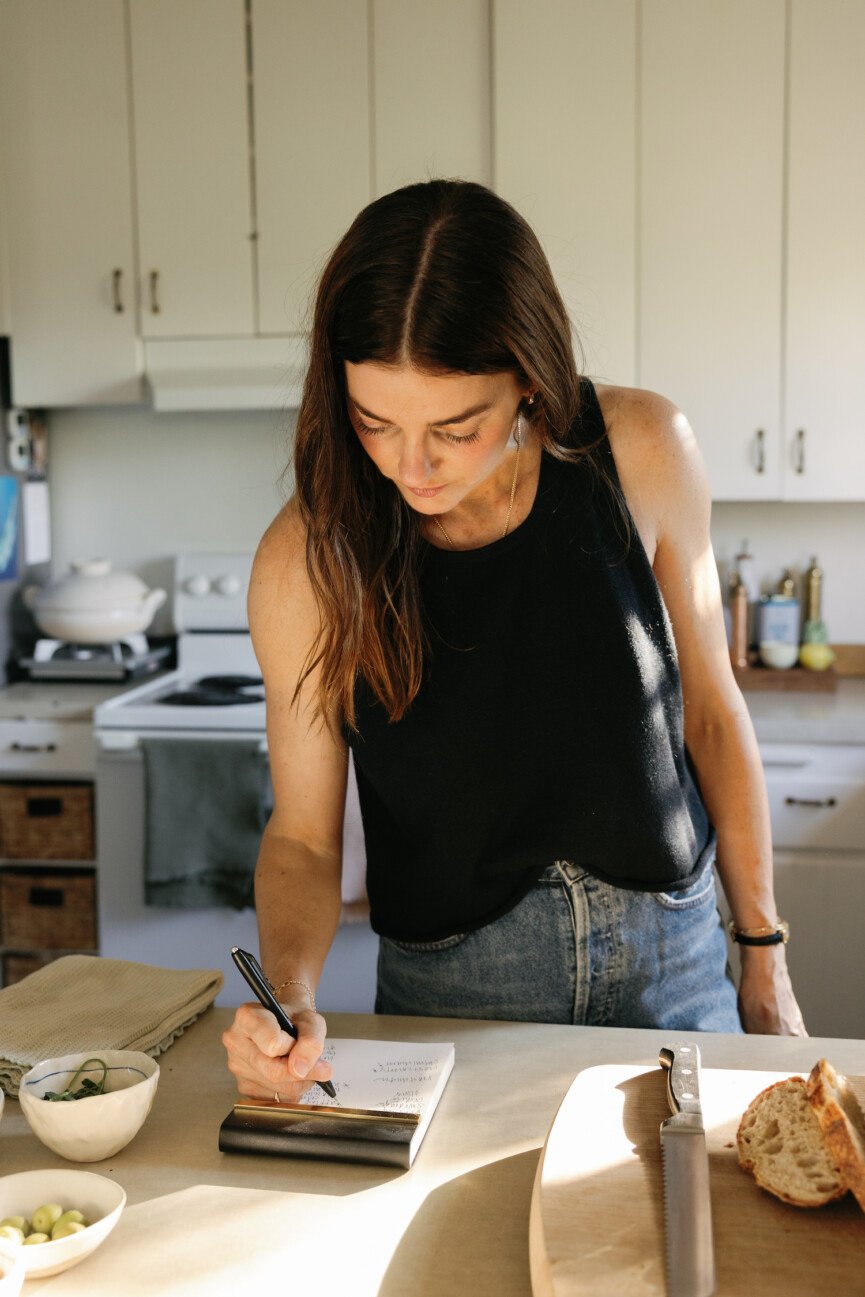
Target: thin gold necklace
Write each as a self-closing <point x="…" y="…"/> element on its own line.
<point x="510" y="503"/>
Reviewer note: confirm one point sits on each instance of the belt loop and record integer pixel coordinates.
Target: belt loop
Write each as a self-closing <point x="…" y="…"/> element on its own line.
<point x="567" y="868"/>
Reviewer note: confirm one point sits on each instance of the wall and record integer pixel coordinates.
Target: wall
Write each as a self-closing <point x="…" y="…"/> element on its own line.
<point x="137" y="487"/>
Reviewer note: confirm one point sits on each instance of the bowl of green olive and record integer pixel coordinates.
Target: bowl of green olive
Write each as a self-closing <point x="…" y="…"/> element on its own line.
<point x="87" y="1107"/>
<point x="58" y="1217"/>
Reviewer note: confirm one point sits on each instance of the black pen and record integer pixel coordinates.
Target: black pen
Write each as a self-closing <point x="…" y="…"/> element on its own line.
<point x="266" y="995"/>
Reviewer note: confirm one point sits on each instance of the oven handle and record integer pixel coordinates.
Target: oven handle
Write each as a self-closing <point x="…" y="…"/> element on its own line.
<point x="120" y="741"/>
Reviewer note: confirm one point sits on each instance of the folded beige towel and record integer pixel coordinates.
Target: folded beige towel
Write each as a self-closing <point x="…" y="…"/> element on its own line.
<point x="83" y="1002"/>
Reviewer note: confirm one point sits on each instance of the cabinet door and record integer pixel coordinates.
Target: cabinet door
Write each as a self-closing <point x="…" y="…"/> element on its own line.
<point x="564" y="153"/>
<point x="826" y="253"/>
<point x="312" y="144"/>
<point x="431" y="73"/>
<point x="68" y="194"/>
<point x="711" y="184"/>
<point x="192" y="162"/>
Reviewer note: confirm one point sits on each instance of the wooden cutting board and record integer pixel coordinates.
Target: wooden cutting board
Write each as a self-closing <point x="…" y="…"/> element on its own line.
<point x="597" y="1217"/>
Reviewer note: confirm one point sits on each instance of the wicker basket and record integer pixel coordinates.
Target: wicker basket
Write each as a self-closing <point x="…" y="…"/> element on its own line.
<point x="46" y="821"/>
<point x="47" y="911"/>
<point x="14" y="967"/>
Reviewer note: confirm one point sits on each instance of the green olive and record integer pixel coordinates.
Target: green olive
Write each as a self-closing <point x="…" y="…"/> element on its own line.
<point x="70" y="1217"/>
<point x="18" y="1221"/>
<point x="13" y="1232"/>
<point x="36" y="1238"/>
<point x="46" y="1217"/>
<point x="71" y="1227"/>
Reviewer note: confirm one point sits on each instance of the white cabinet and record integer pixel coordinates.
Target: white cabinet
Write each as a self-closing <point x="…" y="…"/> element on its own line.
<point x="312" y="154"/>
<point x="711" y="184"/>
<point x="753" y="276"/>
<point x="825" y="360"/>
<point x="431" y="91"/>
<point x="565" y="154"/>
<point x="68" y="192"/>
<point x="817" y="805"/>
<point x="192" y="162"/>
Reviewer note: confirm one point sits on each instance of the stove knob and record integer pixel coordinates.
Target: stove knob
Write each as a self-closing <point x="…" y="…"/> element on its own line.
<point x="228" y="585"/>
<point x="198" y="586"/>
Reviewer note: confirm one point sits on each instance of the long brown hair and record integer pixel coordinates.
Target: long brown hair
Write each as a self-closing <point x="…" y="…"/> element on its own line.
<point x="448" y="277"/>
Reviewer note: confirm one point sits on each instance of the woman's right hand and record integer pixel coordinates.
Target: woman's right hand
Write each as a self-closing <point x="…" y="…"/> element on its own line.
<point x="266" y="1062"/>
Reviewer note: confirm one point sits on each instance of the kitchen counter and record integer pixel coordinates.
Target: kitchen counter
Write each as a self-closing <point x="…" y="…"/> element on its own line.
<point x="793" y="717"/>
<point x="201" y="1222"/>
<point x="53" y="700"/>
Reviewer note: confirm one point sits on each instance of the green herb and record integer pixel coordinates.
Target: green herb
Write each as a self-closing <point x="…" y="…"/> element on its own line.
<point x="87" y="1088"/>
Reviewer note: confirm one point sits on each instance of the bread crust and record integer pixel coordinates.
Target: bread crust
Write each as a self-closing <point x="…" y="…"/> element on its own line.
<point x="841" y="1122"/>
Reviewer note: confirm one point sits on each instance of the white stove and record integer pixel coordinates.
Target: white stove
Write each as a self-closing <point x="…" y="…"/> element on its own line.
<point x="217" y="685"/>
<point x="214" y="694"/>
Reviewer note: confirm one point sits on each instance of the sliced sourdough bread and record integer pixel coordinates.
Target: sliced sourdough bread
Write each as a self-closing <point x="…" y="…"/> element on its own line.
<point x="841" y="1122"/>
<point x="781" y="1143"/>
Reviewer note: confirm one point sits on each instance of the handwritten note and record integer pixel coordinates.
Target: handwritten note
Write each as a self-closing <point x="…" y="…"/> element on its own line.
<point x="385" y="1075"/>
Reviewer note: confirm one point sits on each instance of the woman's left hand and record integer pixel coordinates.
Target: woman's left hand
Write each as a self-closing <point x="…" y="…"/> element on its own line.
<point x="767" y="1005"/>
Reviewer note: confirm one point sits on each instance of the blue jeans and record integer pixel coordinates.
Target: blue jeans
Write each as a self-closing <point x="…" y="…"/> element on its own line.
<point x="575" y="950"/>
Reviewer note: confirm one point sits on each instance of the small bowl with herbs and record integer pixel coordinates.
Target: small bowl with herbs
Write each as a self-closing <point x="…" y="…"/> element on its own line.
<point x="87" y="1107"/>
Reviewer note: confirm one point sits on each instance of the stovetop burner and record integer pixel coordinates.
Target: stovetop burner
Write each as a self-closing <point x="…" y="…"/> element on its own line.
<point x="217" y="691"/>
<point x="125" y="659"/>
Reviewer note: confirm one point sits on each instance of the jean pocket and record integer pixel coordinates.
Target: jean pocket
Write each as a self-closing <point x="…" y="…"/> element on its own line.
<point x="689" y="898"/>
<point x="427" y="947"/>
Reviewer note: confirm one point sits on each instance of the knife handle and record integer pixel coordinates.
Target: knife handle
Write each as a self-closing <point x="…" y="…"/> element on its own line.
<point x="682" y="1064"/>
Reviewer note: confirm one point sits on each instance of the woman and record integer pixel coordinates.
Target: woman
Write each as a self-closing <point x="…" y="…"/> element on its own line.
<point x="495" y="585"/>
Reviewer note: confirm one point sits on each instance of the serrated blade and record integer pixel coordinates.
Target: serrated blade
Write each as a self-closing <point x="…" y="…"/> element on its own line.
<point x="690" y="1252"/>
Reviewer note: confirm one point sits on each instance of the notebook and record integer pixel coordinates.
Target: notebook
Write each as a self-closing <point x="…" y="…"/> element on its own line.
<point x="386" y="1094"/>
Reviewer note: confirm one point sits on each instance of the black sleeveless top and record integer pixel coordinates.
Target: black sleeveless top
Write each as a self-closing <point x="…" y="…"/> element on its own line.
<point x="549" y="724"/>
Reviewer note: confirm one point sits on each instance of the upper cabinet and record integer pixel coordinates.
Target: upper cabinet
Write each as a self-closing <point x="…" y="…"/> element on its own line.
<point x="711" y="186"/>
<point x="825" y="335"/>
<point x="192" y="164"/>
<point x="68" y="195"/>
<point x="312" y="156"/>
<point x="565" y="151"/>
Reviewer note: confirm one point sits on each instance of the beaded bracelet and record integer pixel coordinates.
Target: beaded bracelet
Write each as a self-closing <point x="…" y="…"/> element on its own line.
<point x="295" y="981"/>
<point x="772" y="935"/>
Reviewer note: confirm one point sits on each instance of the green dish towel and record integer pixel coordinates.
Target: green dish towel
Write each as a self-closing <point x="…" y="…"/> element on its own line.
<point x="205" y="813"/>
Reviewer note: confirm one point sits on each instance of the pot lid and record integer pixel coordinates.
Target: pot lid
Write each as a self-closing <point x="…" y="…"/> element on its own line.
<point x="90" y="585"/>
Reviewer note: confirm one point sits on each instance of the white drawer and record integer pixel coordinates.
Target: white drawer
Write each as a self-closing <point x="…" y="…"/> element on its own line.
<point x="816" y="795"/>
<point x="47" y="748"/>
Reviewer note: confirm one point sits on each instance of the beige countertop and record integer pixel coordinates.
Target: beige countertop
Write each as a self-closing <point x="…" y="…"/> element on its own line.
<point x="202" y="1222"/>
<point x="837" y="717"/>
<point x="53" y="700"/>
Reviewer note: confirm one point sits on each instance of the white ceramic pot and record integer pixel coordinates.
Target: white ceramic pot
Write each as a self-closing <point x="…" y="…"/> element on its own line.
<point x="93" y="605"/>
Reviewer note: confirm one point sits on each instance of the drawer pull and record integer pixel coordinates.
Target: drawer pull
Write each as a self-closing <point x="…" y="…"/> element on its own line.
<point x="42" y="807"/>
<point x="46" y="897"/>
<point x="32" y="747"/>
<point x="810" y="801"/>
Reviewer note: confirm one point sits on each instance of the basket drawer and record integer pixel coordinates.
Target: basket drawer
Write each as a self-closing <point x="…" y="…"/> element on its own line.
<point x="47" y="911"/>
<point x="18" y="966"/>
<point x="46" y="821"/>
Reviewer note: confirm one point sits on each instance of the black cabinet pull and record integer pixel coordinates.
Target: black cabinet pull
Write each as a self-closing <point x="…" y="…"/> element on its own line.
<point x="40" y="808"/>
<point x="810" y="801"/>
<point x="46" y="897"/>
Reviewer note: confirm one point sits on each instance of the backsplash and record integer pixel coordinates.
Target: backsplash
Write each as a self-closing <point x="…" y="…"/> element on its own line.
<point x="137" y="487"/>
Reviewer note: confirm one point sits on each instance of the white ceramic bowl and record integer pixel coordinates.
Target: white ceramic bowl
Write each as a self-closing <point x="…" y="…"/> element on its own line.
<point x="11" y="1267"/>
<point x="88" y="1130"/>
<point x="101" y="1200"/>
<point x="776" y="654"/>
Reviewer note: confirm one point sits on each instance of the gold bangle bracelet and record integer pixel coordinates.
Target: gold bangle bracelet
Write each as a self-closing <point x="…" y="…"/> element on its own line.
<point x="770" y="934"/>
<point x="295" y="981"/>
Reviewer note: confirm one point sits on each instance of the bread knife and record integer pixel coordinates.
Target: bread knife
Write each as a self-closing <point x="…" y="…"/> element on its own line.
<point x="690" y="1251"/>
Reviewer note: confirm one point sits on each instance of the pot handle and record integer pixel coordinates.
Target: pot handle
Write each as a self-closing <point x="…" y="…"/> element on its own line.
<point x="154" y="599"/>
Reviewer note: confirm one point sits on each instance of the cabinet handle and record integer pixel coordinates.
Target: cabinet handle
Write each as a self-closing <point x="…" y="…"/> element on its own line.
<point x="800" y="451"/>
<point x="46" y="897"/>
<point x="760" y="440"/>
<point x="811" y="801"/>
<point x="40" y="808"/>
<point x="32" y="747"/>
<point x="154" y="292"/>
<point x="116" y="281"/>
